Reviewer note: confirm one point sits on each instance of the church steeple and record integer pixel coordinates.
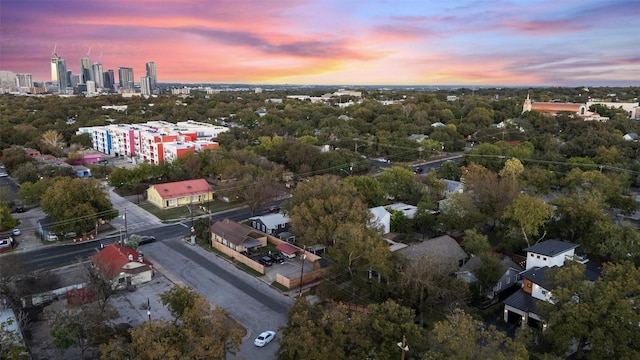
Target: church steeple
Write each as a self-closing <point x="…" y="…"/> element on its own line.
<point x="527" y="104"/>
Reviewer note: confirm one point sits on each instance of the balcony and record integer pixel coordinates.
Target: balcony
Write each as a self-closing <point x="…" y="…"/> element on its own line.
<point x="582" y="259"/>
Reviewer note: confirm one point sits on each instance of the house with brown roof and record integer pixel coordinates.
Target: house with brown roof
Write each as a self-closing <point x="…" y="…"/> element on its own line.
<point x="180" y="193"/>
<point x="236" y="236"/>
<point x="123" y="265"/>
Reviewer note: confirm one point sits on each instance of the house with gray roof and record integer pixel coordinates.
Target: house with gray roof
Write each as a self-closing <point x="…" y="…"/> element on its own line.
<point x="510" y="271"/>
<point x="535" y="286"/>
<point x="444" y="249"/>
<point x="272" y="224"/>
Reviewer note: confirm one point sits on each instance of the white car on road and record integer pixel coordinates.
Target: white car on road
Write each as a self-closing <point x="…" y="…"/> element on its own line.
<point x="264" y="338"/>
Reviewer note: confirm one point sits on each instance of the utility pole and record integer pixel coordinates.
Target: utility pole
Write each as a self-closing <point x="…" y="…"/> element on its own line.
<point x="126" y="228"/>
<point x="403" y="345"/>
<point x="304" y="257"/>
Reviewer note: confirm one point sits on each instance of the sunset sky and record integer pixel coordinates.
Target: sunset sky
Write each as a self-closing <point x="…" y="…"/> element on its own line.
<point x="341" y="42"/>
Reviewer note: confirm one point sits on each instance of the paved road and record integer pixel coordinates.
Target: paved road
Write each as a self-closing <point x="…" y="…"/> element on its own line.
<point x="250" y="301"/>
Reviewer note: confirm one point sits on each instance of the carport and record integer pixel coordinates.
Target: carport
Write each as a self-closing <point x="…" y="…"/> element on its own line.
<point x="287" y="250"/>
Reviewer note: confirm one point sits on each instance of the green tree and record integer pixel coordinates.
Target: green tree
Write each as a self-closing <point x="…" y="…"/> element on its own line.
<point x="369" y="190"/>
<point x="462" y="337"/>
<point x="203" y="332"/>
<point x="335" y="331"/>
<point x="528" y="214"/>
<point x="13" y="157"/>
<point x="488" y="272"/>
<point x="458" y="212"/>
<point x="75" y="204"/>
<point x="318" y="207"/>
<point x="400" y="223"/>
<point x="7" y="222"/>
<point x="400" y="184"/>
<point x="26" y="172"/>
<point x="602" y="313"/>
<point x="449" y="170"/>
<point x="178" y="299"/>
<point x="475" y="243"/>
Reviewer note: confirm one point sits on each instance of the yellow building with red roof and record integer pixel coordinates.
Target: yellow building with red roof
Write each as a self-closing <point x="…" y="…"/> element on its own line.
<point x="180" y="193"/>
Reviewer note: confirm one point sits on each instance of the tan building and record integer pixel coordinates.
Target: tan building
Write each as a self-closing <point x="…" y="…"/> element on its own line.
<point x="554" y="108"/>
<point x="237" y="236"/>
<point x="180" y="193"/>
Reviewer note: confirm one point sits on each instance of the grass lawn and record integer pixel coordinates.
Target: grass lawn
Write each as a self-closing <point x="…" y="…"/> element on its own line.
<point x="182" y="212"/>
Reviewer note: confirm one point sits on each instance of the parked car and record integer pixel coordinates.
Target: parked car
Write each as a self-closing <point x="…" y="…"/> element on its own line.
<point x="277" y="258"/>
<point x="266" y="261"/>
<point x="16" y="232"/>
<point x="264" y="338"/>
<point x="146" y="239"/>
<point x="274" y="209"/>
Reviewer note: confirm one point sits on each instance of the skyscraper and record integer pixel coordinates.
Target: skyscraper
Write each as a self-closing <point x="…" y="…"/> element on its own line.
<point x="85" y="69"/>
<point x="61" y="67"/>
<point x="24" y="80"/>
<point x="109" y="79"/>
<point x="97" y="75"/>
<point x="152" y="75"/>
<point x="145" y="86"/>
<point x="54" y="67"/>
<point x="125" y="76"/>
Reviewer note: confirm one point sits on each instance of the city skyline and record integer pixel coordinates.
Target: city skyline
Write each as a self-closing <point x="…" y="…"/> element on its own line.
<point x="505" y="43"/>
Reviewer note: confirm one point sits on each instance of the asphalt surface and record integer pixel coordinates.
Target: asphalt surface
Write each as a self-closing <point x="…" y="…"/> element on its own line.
<point x="249" y="300"/>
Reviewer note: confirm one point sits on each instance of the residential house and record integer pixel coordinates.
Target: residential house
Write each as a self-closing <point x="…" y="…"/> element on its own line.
<point x="272" y="224"/>
<point x="180" y="193"/>
<point x="123" y="265"/>
<point x="451" y="187"/>
<point x="510" y="274"/>
<point x="444" y="249"/>
<point x="521" y="306"/>
<point x="237" y="236"/>
<point x="408" y="210"/>
<point x="380" y="219"/>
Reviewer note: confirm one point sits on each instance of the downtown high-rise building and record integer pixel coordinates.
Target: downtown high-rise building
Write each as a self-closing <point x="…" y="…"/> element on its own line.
<point x="54" y="67"/>
<point x="85" y="69"/>
<point x="109" y="79"/>
<point x="145" y="86"/>
<point x="98" y="76"/>
<point x="153" y="76"/>
<point x="24" y="80"/>
<point x="125" y="77"/>
<point x="61" y="68"/>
